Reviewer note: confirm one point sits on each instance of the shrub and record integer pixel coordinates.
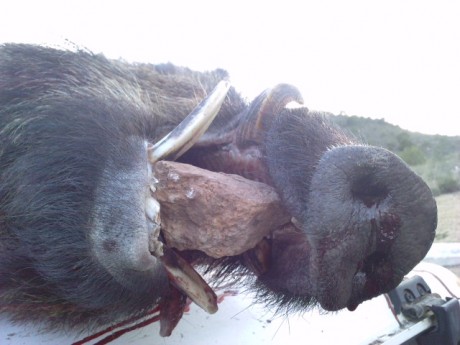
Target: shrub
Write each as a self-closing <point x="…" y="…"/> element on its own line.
<point x="412" y="155"/>
<point x="448" y="184"/>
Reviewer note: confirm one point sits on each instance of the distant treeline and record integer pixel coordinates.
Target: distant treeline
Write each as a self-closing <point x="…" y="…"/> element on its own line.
<point x="434" y="157"/>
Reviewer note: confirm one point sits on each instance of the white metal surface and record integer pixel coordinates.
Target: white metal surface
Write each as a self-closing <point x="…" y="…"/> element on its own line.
<point x="239" y="321"/>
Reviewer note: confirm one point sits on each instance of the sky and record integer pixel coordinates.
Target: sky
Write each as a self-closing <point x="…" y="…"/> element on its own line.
<point x="395" y="59"/>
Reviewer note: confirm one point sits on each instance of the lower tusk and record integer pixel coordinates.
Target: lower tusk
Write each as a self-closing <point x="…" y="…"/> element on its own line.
<point x="183" y="276"/>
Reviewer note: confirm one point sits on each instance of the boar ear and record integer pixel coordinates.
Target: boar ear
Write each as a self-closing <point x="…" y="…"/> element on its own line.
<point x="181" y="138"/>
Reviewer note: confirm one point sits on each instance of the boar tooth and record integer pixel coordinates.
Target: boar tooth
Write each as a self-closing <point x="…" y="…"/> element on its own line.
<point x="296" y="223"/>
<point x="257" y="259"/>
<point x="181" y="138"/>
<point x="153" y="184"/>
<point x="183" y="276"/>
<point x="152" y="210"/>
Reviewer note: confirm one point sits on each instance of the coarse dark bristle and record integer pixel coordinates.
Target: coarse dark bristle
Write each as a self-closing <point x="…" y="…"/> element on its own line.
<point x="231" y="272"/>
<point x="75" y="179"/>
<point x="65" y="117"/>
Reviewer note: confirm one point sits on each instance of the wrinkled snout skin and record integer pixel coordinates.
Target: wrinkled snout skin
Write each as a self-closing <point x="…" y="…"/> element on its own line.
<point x="74" y="176"/>
<point x="368" y="219"/>
<point x="383" y="224"/>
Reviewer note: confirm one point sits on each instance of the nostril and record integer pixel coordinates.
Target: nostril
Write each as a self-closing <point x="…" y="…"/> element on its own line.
<point x="370" y="263"/>
<point x="374" y="276"/>
<point x="368" y="191"/>
<point x="373" y="262"/>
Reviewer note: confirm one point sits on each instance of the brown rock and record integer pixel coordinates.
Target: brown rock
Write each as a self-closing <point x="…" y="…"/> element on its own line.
<point x="217" y="213"/>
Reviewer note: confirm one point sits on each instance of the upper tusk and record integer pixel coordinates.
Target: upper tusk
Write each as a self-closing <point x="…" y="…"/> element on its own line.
<point x="181" y="138"/>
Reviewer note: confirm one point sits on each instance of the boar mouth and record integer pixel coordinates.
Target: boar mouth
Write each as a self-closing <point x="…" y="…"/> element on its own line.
<point x="240" y="148"/>
<point x="362" y="220"/>
<point x="181" y="274"/>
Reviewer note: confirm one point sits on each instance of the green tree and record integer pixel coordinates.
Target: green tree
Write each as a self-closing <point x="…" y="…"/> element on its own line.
<point x="404" y="141"/>
<point x="412" y="155"/>
<point x="448" y="184"/>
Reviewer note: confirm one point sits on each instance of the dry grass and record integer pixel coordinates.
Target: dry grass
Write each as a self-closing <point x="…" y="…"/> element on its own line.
<point x="448" y="218"/>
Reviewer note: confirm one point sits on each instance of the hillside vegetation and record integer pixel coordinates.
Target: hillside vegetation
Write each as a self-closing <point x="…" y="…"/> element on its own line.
<point x="448" y="218"/>
<point x="435" y="158"/>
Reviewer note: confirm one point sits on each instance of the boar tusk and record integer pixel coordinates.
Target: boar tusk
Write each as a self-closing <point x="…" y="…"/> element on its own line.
<point x="184" y="277"/>
<point x="181" y="138"/>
